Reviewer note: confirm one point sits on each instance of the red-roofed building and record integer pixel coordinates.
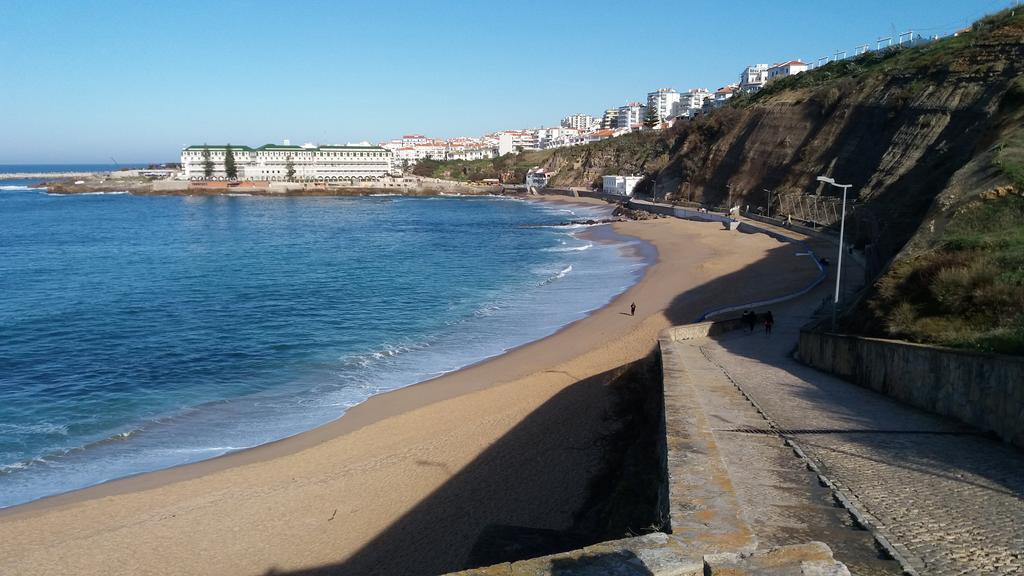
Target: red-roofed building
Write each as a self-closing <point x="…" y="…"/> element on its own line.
<point x="784" y="69"/>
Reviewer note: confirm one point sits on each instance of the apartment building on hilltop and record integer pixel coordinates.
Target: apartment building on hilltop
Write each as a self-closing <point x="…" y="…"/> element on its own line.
<point x="753" y="78"/>
<point x="579" y="122"/>
<point x="664" y="102"/>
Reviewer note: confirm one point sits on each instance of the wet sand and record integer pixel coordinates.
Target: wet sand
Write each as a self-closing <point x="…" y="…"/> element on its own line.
<point x="408" y="481"/>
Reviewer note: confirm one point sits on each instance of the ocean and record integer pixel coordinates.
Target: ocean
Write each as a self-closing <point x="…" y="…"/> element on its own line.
<point x="139" y="333"/>
<point x="41" y="168"/>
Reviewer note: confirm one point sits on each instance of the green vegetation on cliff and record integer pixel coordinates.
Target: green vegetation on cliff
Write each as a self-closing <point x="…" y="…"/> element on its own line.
<point x="636" y="153"/>
<point x="963" y="286"/>
<point x="969" y="291"/>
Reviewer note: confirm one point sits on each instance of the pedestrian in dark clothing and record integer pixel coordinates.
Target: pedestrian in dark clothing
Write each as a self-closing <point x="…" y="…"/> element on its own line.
<point x="750" y="319"/>
<point x="769" y="321"/>
<point x="632" y="309"/>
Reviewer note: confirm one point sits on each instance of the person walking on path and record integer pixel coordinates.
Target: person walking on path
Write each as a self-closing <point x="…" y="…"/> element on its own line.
<point x="769" y="321"/>
<point x="750" y="319"/>
<point x="632" y="309"/>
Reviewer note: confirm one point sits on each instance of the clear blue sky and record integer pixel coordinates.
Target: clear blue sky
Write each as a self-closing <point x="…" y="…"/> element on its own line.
<point x="83" y="81"/>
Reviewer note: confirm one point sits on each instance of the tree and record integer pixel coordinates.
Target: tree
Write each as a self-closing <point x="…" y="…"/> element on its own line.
<point x="289" y="167"/>
<point x="207" y="163"/>
<point x="230" y="170"/>
<point x="651" y="119"/>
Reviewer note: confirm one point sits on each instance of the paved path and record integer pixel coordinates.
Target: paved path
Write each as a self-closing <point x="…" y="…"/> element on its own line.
<point x="948" y="501"/>
<point x="781" y="500"/>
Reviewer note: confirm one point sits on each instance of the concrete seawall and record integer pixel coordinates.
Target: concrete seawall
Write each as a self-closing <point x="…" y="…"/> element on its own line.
<point x="983" y="390"/>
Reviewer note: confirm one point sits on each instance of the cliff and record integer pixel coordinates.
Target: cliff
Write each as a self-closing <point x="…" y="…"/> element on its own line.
<point x="929" y="138"/>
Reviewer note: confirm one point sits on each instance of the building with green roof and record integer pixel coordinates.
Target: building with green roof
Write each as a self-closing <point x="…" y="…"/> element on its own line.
<point x="285" y="162"/>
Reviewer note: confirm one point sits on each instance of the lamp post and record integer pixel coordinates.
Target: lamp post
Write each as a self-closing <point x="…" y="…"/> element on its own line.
<point x="842" y="230"/>
<point x="769" y="201"/>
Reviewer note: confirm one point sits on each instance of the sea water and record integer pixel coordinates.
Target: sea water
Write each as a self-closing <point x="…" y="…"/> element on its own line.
<point x="139" y="333"/>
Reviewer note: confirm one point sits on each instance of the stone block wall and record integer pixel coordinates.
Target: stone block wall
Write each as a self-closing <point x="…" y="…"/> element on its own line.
<point x="983" y="390"/>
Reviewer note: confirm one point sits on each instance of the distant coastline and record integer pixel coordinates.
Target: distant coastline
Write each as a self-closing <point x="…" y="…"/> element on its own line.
<point x="34" y="175"/>
<point x="133" y="184"/>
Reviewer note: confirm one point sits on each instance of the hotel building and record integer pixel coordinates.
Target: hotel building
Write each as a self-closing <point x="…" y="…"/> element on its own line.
<point x="310" y="163"/>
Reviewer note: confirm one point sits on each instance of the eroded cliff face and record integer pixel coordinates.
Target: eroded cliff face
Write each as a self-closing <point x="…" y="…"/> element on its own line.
<point x="932" y="142"/>
<point x="898" y="128"/>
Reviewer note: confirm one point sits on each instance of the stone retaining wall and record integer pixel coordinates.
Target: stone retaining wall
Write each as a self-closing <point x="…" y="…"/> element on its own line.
<point x="702" y="329"/>
<point x="983" y="390"/>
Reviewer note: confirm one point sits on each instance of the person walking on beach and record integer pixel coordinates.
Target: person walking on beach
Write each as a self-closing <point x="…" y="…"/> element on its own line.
<point x="632" y="309"/>
<point x="769" y="321"/>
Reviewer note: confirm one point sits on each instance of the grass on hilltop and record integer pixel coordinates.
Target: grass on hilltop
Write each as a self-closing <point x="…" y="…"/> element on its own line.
<point x="918" y="62"/>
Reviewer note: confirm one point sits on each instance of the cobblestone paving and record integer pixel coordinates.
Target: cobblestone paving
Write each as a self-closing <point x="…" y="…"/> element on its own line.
<point x="782" y="500"/>
<point x="948" y="500"/>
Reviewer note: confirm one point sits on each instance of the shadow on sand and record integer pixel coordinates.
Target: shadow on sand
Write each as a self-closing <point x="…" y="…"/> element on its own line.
<point x="586" y="466"/>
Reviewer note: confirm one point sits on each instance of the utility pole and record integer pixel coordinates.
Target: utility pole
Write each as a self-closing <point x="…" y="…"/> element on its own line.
<point x="769" y="202"/>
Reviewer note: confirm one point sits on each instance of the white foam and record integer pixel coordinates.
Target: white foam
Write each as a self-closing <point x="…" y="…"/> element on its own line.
<point x="105" y="193"/>
<point x="561" y="274"/>
<point x="569" y="248"/>
<point x="16" y="188"/>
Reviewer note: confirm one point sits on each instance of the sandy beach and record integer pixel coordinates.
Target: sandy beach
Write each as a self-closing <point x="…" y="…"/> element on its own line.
<point x="407" y="481"/>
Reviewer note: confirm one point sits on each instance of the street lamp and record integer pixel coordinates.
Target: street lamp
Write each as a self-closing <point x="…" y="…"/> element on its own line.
<point x="769" y="201"/>
<point x="842" y="230"/>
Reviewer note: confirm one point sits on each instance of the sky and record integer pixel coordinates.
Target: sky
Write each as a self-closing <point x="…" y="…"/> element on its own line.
<point x="86" y="81"/>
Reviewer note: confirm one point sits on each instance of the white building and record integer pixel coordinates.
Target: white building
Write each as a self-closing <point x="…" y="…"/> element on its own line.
<point x="582" y="122"/>
<point x="664" y="101"/>
<point x="516" y="140"/>
<point x="537" y="178"/>
<point x="620" y="185"/>
<point x="480" y="152"/>
<point x="274" y="162"/>
<point x="784" y="69"/>
<point x="609" y="119"/>
<point x="724" y="93"/>
<point x="691" y="101"/>
<point x="632" y="114"/>
<point x="753" y="78"/>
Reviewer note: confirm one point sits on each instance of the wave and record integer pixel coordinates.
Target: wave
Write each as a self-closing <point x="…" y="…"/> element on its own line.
<point x="57" y="455"/>
<point x="40" y="428"/>
<point x="569" y="248"/>
<point x="384" y="352"/>
<point x="561" y="274"/>
<point x="383" y="195"/>
<point x="17" y="188"/>
<point x="238" y="195"/>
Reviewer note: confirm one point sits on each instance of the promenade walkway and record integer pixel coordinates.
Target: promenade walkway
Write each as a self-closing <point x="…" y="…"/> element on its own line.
<point x="943" y="499"/>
